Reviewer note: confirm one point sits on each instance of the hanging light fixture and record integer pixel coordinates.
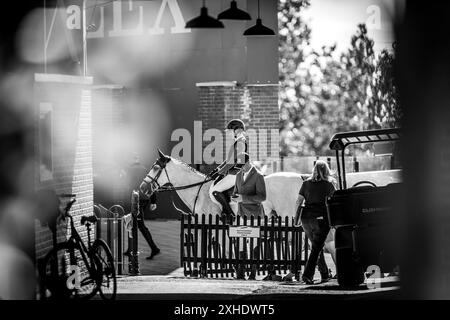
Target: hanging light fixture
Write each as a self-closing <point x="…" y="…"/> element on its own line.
<point x="234" y="13"/>
<point x="259" y="29"/>
<point x="204" y="20"/>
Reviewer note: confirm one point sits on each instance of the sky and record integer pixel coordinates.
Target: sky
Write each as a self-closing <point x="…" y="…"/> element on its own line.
<point x="335" y="21"/>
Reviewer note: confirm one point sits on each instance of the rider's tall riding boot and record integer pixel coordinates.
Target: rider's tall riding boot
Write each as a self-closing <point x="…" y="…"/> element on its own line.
<point x="224" y="202"/>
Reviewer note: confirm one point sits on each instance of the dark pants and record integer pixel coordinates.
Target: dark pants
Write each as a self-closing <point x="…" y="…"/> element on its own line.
<point x="316" y="231"/>
<point x="243" y="254"/>
<point x="143" y="228"/>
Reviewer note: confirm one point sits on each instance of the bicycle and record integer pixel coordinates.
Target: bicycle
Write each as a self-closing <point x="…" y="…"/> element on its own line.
<point x="72" y="270"/>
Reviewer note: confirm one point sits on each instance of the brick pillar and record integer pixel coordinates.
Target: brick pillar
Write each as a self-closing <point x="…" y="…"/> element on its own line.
<point x="255" y="104"/>
<point x="67" y="164"/>
<point x="264" y="121"/>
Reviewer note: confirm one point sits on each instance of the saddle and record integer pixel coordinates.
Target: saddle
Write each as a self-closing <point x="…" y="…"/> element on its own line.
<point x="220" y="177"/>
<point x="228" y="193"/>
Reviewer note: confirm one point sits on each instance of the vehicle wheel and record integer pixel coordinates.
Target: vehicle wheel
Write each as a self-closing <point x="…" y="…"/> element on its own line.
<point x="107" y="281"/>
<point x="64" y="275"/>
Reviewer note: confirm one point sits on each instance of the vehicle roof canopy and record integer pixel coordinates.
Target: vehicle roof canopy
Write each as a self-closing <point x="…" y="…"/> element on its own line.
<point x="341" y="140"/>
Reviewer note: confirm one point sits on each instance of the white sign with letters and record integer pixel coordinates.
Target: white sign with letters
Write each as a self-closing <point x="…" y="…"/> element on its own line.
<point x="244" y="232"/>
<point x="74" y="16"/>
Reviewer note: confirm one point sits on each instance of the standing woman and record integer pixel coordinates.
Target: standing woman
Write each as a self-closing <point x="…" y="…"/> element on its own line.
<point x="314" y="192"/>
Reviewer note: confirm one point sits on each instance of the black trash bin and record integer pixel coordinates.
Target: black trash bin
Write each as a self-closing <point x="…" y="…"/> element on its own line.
<point x="366" y="226"/>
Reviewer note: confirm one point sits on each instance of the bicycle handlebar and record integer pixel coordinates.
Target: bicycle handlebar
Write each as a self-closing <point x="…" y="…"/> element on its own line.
<point x="90" y="219"/>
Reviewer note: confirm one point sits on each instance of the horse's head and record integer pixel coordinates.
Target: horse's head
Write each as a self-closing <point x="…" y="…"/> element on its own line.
<point x="155" y="177"/>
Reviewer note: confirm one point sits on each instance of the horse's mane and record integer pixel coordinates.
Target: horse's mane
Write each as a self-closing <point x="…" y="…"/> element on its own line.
<point x="187" y="166"/>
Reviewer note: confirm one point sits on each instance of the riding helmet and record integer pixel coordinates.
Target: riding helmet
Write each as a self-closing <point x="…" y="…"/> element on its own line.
<point x="236" y="124"/>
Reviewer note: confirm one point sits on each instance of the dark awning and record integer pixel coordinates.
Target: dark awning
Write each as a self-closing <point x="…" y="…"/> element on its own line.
<point x="341" y="140"/>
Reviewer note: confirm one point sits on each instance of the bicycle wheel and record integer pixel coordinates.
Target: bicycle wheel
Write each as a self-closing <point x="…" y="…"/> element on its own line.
<point x="106" y="268"/>
<point x="65" y="275"/>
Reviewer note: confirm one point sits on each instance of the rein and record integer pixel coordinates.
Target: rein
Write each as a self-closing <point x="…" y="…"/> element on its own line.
<point x="164" y="188"/>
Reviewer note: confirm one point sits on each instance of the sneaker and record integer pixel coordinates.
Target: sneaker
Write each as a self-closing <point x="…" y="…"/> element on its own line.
<point x="154" y="253"/>
<point x="251" y="277"/>
<point x="240" y="274"/>
<point x="326" y="277"/>
<point x="307" y="280"/>
<point x="276" y="277"/>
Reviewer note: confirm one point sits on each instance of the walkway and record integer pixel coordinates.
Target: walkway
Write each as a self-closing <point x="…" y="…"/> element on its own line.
<point x="162" y="278"/>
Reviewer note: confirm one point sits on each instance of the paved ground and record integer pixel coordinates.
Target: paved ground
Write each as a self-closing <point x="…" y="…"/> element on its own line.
<point x="162" y="278"/>
<point x="166" y="234"/>
<point x="183" y="288"/>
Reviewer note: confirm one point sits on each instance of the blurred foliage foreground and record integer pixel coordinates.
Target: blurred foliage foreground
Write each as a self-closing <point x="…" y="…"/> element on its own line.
<point x="323" y="92"/>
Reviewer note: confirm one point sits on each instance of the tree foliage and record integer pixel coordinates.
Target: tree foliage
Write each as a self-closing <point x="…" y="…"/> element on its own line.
<point x="324" y="92"/>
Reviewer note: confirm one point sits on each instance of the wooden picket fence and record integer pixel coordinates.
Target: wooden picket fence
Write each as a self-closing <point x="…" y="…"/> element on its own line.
<point x="207" y="250"/>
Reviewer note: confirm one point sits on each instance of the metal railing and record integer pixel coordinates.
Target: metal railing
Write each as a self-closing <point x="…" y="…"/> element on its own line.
<point x="110" y="228"/>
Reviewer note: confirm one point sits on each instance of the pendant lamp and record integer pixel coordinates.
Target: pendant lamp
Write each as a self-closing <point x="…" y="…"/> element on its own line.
<point x="259" y="29"/>
<point x="204" y="20"/>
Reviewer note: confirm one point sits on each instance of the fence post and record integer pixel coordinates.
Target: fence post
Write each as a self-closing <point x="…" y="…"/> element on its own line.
<point x="109" y="238"/>
<point x="119" y="246"/>
<point x="329" y="162"/>
<point x="203" y="247"/>
<point x="134" y="262"/>
<point x="118" y="213"/>
<point x="182" y="244"/>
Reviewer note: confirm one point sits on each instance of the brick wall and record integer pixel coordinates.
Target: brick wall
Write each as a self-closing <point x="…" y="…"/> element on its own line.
<point x="255" y="104"/>
<point x="69" y="99"/>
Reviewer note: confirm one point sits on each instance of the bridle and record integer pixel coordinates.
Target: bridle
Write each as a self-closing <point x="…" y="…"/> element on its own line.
<point x="157" y="188"/>
<point x="154" y="180"/>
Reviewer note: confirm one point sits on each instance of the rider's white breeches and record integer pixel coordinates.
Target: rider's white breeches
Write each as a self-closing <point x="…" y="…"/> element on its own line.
<point x="226" y="183"/>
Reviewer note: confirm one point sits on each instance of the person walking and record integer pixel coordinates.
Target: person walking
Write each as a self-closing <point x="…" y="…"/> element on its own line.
<point x="313" y="193"/>
<point x="134" y="174"/>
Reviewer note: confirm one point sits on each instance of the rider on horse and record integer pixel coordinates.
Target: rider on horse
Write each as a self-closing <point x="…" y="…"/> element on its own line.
<point x="225" y="173"/>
